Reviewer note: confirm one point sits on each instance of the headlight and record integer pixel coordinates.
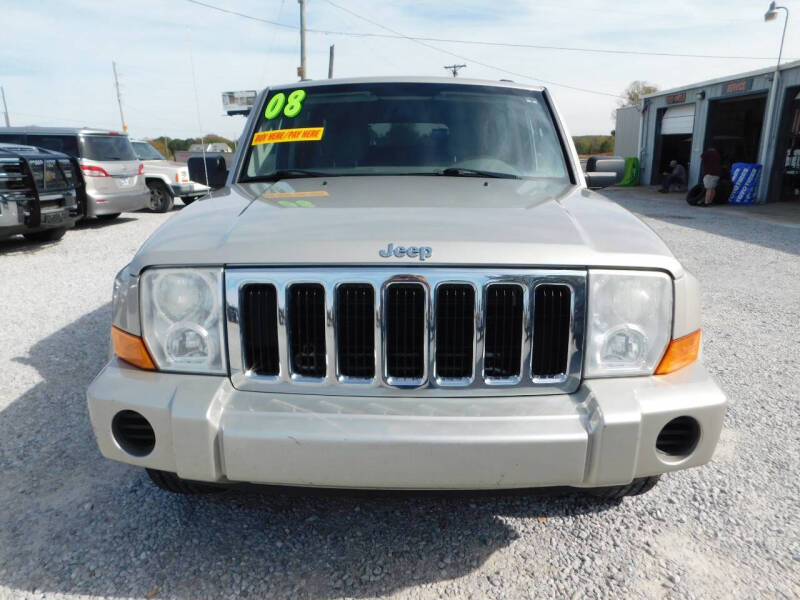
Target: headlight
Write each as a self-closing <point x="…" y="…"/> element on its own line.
<point x="182" y="319"/>
<point x="630" y="322"/>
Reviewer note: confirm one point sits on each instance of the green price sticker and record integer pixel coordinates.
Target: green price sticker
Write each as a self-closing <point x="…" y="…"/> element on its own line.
<point x="291" y="107"/>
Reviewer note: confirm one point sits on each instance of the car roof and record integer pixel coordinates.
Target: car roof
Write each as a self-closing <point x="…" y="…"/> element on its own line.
<point x="27" y="150"/>
<point x="61" y="131"/>
<point x="409" y="79"/>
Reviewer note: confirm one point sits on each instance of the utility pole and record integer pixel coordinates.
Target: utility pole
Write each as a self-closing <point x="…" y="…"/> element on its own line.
<point x="119" y="98"/>
<point x="330" y="63"/>
<point x="454" y="69"/>
<point x="301" y="70"/>
<point x="5" y="108"/>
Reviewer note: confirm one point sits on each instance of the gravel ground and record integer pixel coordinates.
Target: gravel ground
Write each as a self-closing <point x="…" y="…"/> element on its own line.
<point x="73" y="524"/>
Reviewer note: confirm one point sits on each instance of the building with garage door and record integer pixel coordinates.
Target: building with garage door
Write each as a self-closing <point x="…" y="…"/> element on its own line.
<point x="747" y="117"/>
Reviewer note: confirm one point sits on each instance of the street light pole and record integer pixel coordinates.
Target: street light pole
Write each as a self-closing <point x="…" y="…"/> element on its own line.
<point x="770" y="15"/>
<point x="301" y="71"/>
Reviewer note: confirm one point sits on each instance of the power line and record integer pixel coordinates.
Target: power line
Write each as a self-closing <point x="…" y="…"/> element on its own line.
<point x="472" y="60"/>
<point x="244" y="16"/>
<point x="417" y="38"/>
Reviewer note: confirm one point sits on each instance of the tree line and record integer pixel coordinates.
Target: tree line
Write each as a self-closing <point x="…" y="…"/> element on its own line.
<point x="593" y="144"/>
<point x="169" y="146"/>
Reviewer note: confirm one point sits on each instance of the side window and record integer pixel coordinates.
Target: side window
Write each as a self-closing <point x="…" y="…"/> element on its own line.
<point x="68" y="144"/>
<point x="12" y="138"/>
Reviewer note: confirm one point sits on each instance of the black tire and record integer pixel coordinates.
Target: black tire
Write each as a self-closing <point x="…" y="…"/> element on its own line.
<point x="110" y="217"/>
<point x="47" y="235"/>
<point x="696" y="195"/>
<point x="188" y="201"/>
<point x="170" y="482"/>
<point x="636" y="487"/>
<point x="160" y="197"/>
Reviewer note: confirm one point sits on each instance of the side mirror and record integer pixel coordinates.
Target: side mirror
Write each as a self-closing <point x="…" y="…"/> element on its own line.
<point x="600" y="179"/>
<point x="213" y="165"/>
<point x="603" y="171"/>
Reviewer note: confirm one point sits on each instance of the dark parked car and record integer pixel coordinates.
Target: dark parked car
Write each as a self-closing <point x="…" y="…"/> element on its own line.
<point x="42" y="192"/>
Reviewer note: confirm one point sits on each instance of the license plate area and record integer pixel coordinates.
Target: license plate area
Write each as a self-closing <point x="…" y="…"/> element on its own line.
<point x="54" y="217"/>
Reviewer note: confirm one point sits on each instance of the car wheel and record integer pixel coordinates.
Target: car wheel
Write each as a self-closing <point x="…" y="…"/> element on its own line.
<point x="187" y="201"/>
<point x="160" y="197"/>
<point x="170" y="482"/>
<point x="48" y="235"/>
<point x="109" y="217"/>
<point x="637" y="487"/>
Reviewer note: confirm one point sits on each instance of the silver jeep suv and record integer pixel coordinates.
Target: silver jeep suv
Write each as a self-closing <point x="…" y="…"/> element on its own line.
<point x="405" y="283"/>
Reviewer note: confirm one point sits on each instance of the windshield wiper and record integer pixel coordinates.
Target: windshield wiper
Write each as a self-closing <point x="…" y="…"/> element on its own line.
<point x="464" y="172"/>
<point x="288" y="174"/>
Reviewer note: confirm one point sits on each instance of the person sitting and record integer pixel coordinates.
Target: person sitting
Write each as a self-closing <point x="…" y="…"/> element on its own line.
<point x="677" y="176"/>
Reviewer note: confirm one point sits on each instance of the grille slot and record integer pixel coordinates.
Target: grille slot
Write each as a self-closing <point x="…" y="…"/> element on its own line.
<point x="552" y="314"/>
<point x="503" y="351"/>
<point x="259" y="322"/>
<point x="355" y="319"/>
<point x="307" y="329"/>
<point x="455" y="330"/>
<point x="405" y="331"/>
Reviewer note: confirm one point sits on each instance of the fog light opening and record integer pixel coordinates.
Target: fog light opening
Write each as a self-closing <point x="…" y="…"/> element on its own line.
<point x="679" y="437"/>
<point x="133" y="433"/>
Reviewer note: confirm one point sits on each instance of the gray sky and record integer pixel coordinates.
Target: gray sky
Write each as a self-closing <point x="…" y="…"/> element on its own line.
<point x="55" y="55"/>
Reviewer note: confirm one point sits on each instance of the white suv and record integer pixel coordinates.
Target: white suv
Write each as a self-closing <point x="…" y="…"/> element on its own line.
<point x="166" y="179"/>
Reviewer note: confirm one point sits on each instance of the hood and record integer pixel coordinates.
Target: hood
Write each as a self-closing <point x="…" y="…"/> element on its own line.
<point x="164" y="163"/>
<point x="348" y="220"/>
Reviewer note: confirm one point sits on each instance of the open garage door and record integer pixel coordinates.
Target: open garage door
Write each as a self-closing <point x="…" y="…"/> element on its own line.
<point x="675" y="139"/>
<point x="734" y="128"/>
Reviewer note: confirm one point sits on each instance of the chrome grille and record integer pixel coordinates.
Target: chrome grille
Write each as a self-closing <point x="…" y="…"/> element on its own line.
<point x="380" y="331"/>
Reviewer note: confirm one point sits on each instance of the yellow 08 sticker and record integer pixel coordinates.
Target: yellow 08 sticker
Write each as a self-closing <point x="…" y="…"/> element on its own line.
<point x="302" y="134"/>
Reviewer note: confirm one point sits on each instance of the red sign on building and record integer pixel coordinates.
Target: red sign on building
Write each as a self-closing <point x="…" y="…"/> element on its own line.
<point x="735" y="87"/>
<point x="676" y="98"/>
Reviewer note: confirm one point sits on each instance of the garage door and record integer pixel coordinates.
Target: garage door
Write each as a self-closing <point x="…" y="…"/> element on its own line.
<point x="678" y="119"/>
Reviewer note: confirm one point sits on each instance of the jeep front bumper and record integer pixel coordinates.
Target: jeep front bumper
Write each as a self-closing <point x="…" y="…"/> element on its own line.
<point x="604" y="434"/>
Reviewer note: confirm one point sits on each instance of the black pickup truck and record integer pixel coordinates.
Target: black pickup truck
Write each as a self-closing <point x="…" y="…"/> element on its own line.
<point x="42" y="192"/>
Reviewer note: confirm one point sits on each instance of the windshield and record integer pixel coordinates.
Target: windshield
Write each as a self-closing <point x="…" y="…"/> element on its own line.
<point x="106" y="147"/>
<point x="402" y="128"/>
<point x="146" y="152"/>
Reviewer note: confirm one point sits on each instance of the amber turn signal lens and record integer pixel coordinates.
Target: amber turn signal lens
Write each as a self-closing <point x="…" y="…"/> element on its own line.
<point x="680" y="352"/>
<point x="131" y="348"/>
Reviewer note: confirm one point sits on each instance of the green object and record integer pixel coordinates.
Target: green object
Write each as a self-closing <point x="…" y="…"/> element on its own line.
<point x="631" y="176"/>
<point x="275" y="105"/>
<point x="295" y="104"/>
